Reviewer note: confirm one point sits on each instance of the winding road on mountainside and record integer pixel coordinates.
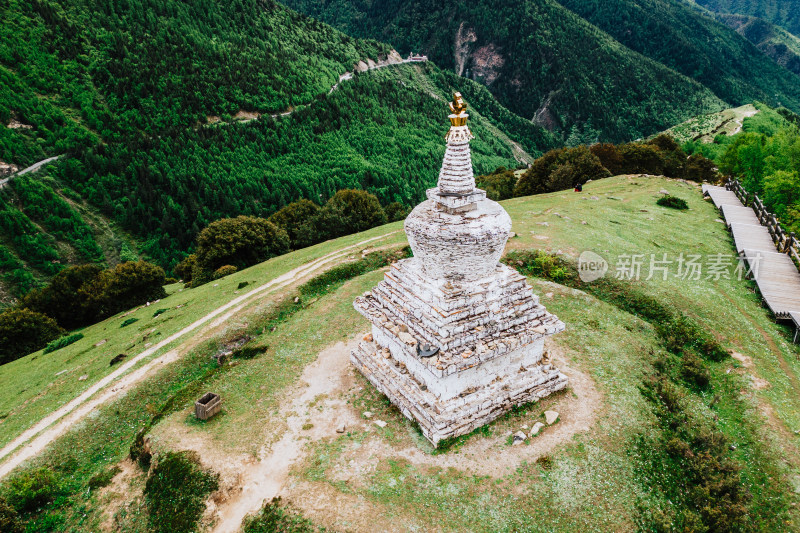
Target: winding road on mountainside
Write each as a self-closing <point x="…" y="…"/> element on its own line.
<point x="37" y="437"/>
<point x="388" y="62"/>
<point x="33" y="168"/>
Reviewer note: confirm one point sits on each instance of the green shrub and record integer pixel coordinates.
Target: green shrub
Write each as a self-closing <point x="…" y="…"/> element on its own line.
<point x="560" y="169"/>
<point x="699" y="168"/>
<point x="294" y="219"/>
<point x="694" y="372"/>
<point x="223" y="271"/>
<point x="31" y="490"/>
<point x="128" y="322"/>
<point x="184" y="269"/>
<point x="123" y="287"/>
<point x="672" y="202"/>
<point x="610" y="157"/>
<point x="540" y="264"/>
<point x="274" y="517"/>
<point x="62" y="299"/>
<point x="499" y="185"/>
<point x="103" y="479"/>
<point x="160" y="312"/>
<point x="242" y="285"/>
<point x="641" y="158"/>
<point x="23" y="331"/>
<point x="396" y="211"/>
<point x="84" y="294"/>
<point x="242" y="242"/>
<point x="176" y="491"/>
<point x="348" y="211"/>
<point x="62" y="342"/>
<point x="9" y="518"/>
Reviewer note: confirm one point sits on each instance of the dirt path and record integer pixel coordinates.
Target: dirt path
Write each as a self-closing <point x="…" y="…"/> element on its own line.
<point x="318" y="406"/>
<point x="42" y="434"/>
<point x="265" y="479"/>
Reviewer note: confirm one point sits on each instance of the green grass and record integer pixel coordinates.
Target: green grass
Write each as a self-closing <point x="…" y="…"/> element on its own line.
<point x="596" y="480"/>
<point x="36" y="384"/>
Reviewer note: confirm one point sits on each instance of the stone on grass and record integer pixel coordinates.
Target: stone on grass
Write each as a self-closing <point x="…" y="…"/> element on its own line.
<point x="83" y="377"/>
<point x="380" y="423"/>
<point x="550" y="417"/>
<point x="341" y="428"/>
<point x="536" y="428"/>
<point x="518" y="438"/>
<point x="367" y="414"/>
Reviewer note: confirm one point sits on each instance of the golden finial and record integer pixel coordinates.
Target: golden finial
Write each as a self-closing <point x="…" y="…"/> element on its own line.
<point x="458" y="111"/>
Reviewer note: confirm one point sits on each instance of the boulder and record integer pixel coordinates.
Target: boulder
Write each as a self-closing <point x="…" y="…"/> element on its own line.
<point x="380" y="423"/>
<point x="518" y="438"/>
<point x="536" y="428"/>
<point x="550" y="417"/>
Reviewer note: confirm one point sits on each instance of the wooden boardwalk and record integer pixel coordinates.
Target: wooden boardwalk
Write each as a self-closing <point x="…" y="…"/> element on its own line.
<point x="775" y="273"/>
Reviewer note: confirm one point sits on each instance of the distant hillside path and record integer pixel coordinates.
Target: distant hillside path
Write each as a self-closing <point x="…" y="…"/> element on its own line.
<point x="34" y="167"/>
<point x="392" y="59"/>
<point x="41" y="434"/>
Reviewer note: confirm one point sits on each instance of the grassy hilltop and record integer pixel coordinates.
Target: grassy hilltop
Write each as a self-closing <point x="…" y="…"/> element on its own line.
<point x="609" y="463"/>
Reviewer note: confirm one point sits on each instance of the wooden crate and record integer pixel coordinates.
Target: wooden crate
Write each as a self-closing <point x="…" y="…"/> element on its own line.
<point x="207" y="406"/>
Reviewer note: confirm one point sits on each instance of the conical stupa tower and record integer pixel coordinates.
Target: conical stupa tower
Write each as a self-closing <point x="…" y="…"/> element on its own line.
<point x="457" y="337"/>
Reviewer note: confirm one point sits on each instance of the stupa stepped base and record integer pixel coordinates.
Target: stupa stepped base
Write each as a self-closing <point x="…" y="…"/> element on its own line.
<point x="441" y="419"/>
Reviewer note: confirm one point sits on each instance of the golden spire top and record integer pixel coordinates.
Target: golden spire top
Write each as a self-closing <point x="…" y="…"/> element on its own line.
<point x="458" y="111"/>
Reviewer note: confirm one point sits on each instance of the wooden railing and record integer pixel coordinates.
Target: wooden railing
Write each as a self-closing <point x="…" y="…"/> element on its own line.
<point x="785" y="242"/>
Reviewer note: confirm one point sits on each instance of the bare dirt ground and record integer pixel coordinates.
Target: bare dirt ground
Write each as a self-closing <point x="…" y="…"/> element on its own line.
<point x="58" y="422"/>
<point x="317" y="406"/>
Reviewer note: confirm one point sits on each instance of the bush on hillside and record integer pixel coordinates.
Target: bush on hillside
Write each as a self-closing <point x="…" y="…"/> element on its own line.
<point x="274" y="517"/>
<point x="396" y="211"/>
<point x="62" y="342"/>
<point x="641" y="159"/>
<point x="499" y="185"/>
<point x="610" y="157"/>
<point x="184" y="269"/>
<point x="699" y="168"/>
<point x="31" y="490"/>
<point x="23" y="331"/>
<point x="242" y="242"/>
<point x="673" y="202"/>
<point x="294" y="219"/>
<point x="560" y="169"/>
<point x="225" y="270"/>
<point x="673" y="157"/>
<point x="126" y="285"/>
<point x="84" y="294"/>
<point x="176" y="492"/>
<point x="349" y="211"/>
<point x="60" y="299"/>
<point x="9" y="518"/>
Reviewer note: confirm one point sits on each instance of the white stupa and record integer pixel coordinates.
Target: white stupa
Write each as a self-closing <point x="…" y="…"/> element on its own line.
<point x="457" y="337"/>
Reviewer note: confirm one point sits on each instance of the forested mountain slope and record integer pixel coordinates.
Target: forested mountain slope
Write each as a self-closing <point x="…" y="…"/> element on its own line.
<point x="777" y="43"/>
<point x="45" y="227"/>
<point x="126" y="90"/>
<point x="785" y="13"/>
<point x="541" y="60"/>
<point x="684" y="39"/>
<point x="579" y="62"/>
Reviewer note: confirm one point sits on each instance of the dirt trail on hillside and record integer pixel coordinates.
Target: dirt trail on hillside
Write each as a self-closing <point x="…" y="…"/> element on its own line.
<point x="318" y="406"/>
<point x="112" y="385"/>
